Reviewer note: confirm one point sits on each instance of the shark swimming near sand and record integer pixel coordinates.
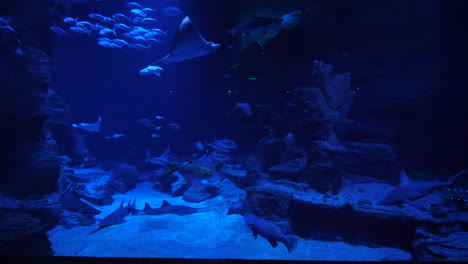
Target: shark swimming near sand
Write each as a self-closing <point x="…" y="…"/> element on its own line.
<point x="409" y="191"/>
<point x="117" y="217"/>
<point x="167" y="208"/>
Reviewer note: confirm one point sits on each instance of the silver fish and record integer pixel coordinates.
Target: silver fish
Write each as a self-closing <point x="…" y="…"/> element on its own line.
<point x="120" y="17"/>
<point x="139" y="46"/>
<point x="80" y="30"/>
<point x="138" y="12"/>
<point x="133" y="5"/>
<point x="69" y="20"/>
<point x="59" y="30"/>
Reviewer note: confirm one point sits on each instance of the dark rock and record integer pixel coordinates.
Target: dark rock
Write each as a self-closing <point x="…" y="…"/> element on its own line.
<point x="33" y="170"/>
<point x="293" y="159"/>
<point x="325" y="176"/>
<point x="270" y="201"/>
<point x="432" y="247"/>
<point x="127" y="174"/>
<point x="179" y="187"/>
<point x="372" y="159"/>
<point x="95" y="185"/>
<point x="199" y="192"/>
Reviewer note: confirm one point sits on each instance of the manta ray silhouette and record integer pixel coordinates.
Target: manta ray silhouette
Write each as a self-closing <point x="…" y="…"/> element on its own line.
<point x="188" y="44"/>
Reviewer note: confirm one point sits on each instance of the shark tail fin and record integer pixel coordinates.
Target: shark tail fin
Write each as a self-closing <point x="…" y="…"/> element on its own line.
<point x="291" y="243"/>
<point x="165" y="155"/>
<point x="172" y="169"/>
<point x="454" y="178"/>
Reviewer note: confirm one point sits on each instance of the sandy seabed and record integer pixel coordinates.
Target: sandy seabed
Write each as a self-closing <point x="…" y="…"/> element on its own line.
<point x="211" y="234"/>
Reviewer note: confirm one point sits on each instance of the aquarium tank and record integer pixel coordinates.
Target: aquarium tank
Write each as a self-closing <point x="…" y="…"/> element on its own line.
<point x="236" y="130"/>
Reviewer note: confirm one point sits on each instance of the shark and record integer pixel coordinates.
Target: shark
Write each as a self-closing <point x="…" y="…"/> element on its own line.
<point x="161" y="160"/>
<point x="94" y="127"/>
<point x="188" y="44"/>
<point x="71" y="201"/>
<point x="261" y="226"/>
<point x="167" y="208"/>
<point x="409" y="191"/>
<point x="118" y="216"/>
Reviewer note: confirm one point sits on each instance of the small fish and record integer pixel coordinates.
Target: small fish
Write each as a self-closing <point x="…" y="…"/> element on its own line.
<point x="115" y="136"/>
<point x="120" y="17"/>
<point x="245" y="108"/>
<point x="191" y="168"/>
<point x="97" y="17"/>
<point x="153" y="34"/>
<point x="133" y="5"/>
<point x="174" y="126"/>
<point x="153" y="40"/>
<point x="107" y="31"/>
<point x="105" y="39"/>
<point x="97" y="27"/>
<point x="101" y="18"/>
<point x="146" y="122"/>
<point x="94" y="127"/>
<point x="148" y="20"/>
<point x="4" y="20"/>
<point x="139" y="31"/>
<point x="137" y="20"/>
<point x="156" y="70"/>
<point x="80" y="30"/>
<point x="159" y="117"/>
<point x="85" y="24"/>
<point x="8" y="28"/>
<point x="172" y="11"/>
<point x="154" y="135"/>
<point x="147" y="9"/>
<point x="59" y="30"/>
<point x="289" y="138"/>
<point x="122" y="26"/>
<point x="199" y="146"/>
<point x="108" y="44"/>
<point x="158" y="127"/>
<point x="120" y="42"/>
<point x="138" y="12"/>
<point x="139" y="46"/>
<point x="139" y="39"/>
<point x="70" y="20"/>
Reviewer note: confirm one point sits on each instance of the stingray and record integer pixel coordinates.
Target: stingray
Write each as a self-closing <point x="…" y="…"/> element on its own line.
<point x="117" y="217"/>
<point x="188" y="44"/>
<point x="94" y="127"/>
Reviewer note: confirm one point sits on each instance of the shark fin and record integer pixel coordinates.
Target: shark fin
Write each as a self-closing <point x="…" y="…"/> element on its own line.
<point x="404" y="180"/>
<point x="165" y="203"/>
<point x="452" y="179"/>
<point x="273" y="243"/>
<point x="165" y="154"/>
<point x="416" y="205"/>
<point x="172" y="169"/>
<point x="122" y="204"/>
<point x="147" y="206"/>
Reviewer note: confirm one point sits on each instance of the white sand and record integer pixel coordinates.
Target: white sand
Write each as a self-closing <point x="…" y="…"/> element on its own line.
<point x="202" y="235"/>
